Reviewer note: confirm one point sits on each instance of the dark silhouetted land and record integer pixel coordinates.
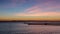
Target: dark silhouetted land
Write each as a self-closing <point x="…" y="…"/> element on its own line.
<point x="34" y="22"/>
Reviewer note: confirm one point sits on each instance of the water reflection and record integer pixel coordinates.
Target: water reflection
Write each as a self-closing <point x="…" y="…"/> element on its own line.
<point x="20" y="28"/>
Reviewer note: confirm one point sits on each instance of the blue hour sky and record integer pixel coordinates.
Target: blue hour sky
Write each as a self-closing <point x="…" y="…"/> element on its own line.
<point x="19" y="8"/>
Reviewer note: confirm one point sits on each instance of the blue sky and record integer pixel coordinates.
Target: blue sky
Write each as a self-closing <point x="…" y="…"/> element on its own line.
<point x="17" y="8"/>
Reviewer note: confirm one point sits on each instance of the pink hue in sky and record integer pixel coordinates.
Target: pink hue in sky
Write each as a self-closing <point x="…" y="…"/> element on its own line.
<point x="36" y="11"/>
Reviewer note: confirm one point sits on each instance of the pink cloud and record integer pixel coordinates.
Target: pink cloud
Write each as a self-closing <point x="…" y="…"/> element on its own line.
<point x="40" y="14"/>
<point x="33" y="9"/>
<point x="37" y="11"/>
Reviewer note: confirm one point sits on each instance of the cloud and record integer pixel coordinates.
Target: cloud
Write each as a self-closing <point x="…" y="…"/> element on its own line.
<point x="37" y="11"/>
<point x="40" y="14"/>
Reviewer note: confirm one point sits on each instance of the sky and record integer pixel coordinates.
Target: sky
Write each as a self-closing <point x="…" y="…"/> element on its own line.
<point x="29" y="9"/>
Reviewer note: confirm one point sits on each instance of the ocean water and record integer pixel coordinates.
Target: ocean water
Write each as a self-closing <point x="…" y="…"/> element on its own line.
<point x="21" y="28"/>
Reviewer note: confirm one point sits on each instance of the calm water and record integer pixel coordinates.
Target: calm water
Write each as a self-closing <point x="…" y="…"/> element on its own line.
<point x="21" y="28"/>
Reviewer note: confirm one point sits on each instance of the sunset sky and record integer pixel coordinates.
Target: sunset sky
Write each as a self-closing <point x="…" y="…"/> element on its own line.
<point x="29" y="9"/>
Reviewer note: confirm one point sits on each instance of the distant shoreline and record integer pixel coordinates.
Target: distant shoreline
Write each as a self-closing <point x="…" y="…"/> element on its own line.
<point x="31" y="21"/>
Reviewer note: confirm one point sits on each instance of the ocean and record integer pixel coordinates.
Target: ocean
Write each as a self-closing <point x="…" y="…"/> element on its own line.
<point x="21" y="28"/>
